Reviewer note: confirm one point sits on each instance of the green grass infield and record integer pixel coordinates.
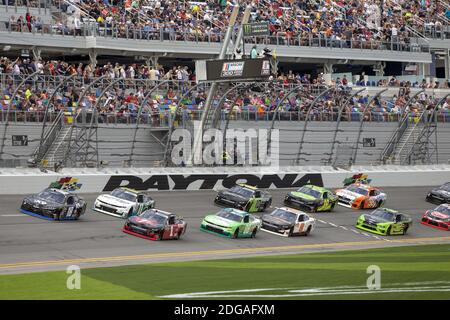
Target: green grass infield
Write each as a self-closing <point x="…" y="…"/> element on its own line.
<point x="407" y="272"/>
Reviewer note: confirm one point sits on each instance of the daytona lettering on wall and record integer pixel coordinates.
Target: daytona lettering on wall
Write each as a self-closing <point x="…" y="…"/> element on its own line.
<point x="209" y="182"/>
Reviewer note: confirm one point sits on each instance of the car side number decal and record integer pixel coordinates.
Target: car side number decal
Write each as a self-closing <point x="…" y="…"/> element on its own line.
<point x="69" y="211"/>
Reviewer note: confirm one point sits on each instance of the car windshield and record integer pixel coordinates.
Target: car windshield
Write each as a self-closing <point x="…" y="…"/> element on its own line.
<point x="52" y="196"/>
<point x="154" y="216"/>
<point x="124" y="195"/>
<point x="244" y="192"/>
<point x="309" y="191"/>
<point x="285" y="215"/>
<point x="443" y="209"/>
<point x="229" y="215"/>
<point x="445" y="187"/>
<point x="385" y="215"/>
<point x="358" y="190"/>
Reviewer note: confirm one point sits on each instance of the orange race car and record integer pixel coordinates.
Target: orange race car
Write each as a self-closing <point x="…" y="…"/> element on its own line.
<point x="360" y="196"/>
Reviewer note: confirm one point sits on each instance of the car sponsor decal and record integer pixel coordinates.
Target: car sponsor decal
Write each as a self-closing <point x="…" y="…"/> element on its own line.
<point x="439" y="215"/>
<point x="209" y="182"/>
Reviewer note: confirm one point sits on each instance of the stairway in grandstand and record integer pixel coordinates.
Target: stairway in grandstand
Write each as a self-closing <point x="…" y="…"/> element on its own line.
<point x="58" y="149"/>
<point x="405" y="138"/>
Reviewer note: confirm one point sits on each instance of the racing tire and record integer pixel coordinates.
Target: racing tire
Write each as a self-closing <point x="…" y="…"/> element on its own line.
<point x="130" y="212"/>
<point x="267" y="205"/>
<point x="405" y="229"/>
<point x="161" y="234"/>
<point x="254" y="233"/>
<point x="332" y="206"/>
<point x="388" y="231"/>
<point x="361" y="206"/>
<point x="291" y="232"/>
<point x="236" y="234"/>
<point x="308" y="231"/>
<point x="178" y="236"/>
<point x="380" y="203"/>
<point x="314" y="209"/>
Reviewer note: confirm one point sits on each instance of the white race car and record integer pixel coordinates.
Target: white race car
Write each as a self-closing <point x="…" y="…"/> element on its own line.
<point x="288" y="222"/>
<point x="123" y="203"/>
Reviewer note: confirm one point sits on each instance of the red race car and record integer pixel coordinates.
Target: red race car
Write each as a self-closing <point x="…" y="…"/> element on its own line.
<point x="438" y="218"/>
<point x="154" y="224"/>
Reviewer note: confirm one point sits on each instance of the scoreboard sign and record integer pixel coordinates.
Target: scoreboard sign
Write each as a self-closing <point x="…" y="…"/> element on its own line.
<point x="256" y="29"/>
<point x="226" y="70"/>
<point x="19" y="141"/>
<point x="233" y="69"/>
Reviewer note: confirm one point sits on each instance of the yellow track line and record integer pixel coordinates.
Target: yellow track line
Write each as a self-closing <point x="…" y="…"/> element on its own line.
<point x="209" y="252"/>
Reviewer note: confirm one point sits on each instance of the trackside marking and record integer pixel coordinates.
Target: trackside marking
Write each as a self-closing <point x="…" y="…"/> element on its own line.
<point x="291" y="292"/>
<point x="355" y="231"/>
<point x="12" y="215"/>
<point x="212" y="252"/>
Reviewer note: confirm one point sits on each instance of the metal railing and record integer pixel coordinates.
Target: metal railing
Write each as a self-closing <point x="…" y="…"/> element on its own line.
<point x="163" y="118"/>
<point x="49" y="138"/>
<point x="123" y="31"/>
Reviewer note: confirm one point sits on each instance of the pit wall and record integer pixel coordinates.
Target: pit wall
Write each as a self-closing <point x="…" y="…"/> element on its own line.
<point x="29" y="181"/>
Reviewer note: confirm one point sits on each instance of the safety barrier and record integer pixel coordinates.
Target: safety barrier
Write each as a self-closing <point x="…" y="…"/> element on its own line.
<point x="25" y="181"/>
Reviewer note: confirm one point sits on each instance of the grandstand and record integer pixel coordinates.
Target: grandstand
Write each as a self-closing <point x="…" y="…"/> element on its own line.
<point x="104" y="83"/>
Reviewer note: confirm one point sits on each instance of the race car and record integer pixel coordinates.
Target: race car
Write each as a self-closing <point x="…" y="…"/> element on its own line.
<point x="244" y="197"/>
<point x="311" y="197"/>
<point x="440" y="194"/>
<point x="155" y="224"/>
<point x="287" y="222"/>
<point x="438" y="218"/>
<point x="123" y="203"/>
<point x="385" y="222"/>
<point x="360" y="196"/>
<point x="231" y="222"/>
<point x="54" y="204"/>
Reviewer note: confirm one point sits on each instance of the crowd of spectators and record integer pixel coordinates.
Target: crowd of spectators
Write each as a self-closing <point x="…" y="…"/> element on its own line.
<point x="125" y="97"/>
<point x="294" y="21"/>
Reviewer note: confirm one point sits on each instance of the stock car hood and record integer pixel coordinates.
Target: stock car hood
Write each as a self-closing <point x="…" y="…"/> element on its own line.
<point x="143" y="221"/>
<point x="441" y="192"/>
<point x="436" y="215"/>
<point x="42" y="202"/>
<point x="369" y="218"/>
<point x="220" y="221"/>
<point x="232" y="196"/>
<point x="114" y="201"/>
<point x="349" y="194"/>
<point x="276" y="220"/>
<point x="302" y="195"/>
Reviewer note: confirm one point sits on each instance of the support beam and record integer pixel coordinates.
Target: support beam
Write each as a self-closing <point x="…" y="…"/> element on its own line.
<point x="93" y="58"/>
<point x="198" y="140"/>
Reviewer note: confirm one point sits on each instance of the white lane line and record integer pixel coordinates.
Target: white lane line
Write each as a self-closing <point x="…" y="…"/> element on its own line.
<point x="13" y="215"/>
<point x="354" y="231"/>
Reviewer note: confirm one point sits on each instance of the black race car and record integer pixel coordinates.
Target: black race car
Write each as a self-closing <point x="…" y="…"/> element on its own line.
<point x="440" y="194"/>
<point x="54" y="204"/>
<point x="244" y="197"/>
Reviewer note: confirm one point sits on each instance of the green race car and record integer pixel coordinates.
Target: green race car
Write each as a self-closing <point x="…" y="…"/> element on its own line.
<point x="312" y="197"/>
<point x="384" y="222"/>
<point x="233" y="223"/>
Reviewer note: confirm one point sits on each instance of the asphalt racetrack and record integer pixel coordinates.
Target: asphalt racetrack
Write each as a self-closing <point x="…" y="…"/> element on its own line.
<point x="29" y="244"/>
